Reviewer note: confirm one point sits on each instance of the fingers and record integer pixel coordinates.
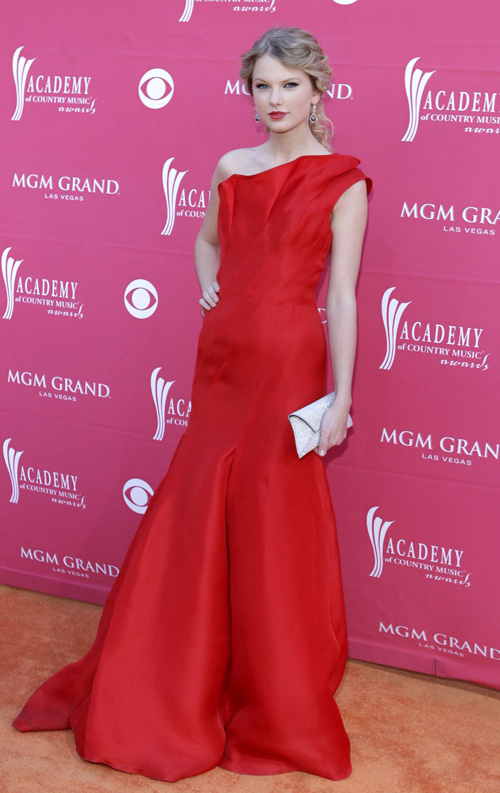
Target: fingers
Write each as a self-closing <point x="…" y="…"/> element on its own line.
<point x="211" y="294"/>
<point x="323" y="444"/>
<point x="210" y="297"/>
<point x="327" y="442"/>
<point x="324" y="437"/>
<point x="330" y="437"/>
<point x="322" y="447"/>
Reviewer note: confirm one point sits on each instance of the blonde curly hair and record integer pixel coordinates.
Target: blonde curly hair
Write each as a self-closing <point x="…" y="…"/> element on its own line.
<point x="298" y="49"/>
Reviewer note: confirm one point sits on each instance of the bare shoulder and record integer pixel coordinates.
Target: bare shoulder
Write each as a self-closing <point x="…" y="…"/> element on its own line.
<point x="242" y="161"/>
<point x="349" y="215"/>
<point x="353" y="198"/>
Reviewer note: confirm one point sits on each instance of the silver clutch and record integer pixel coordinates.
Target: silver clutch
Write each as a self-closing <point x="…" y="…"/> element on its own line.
<point x="306" y="423"/>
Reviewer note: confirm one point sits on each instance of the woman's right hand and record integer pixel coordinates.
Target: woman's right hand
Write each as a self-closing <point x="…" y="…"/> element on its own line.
<point x="210" y="297"/>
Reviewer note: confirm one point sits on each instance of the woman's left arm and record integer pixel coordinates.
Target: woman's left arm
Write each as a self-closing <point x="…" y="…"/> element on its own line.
<point x="348" y="227"/>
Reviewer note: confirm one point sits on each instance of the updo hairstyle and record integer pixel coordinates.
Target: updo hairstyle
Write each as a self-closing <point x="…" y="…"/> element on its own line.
<point x="295" y="48"/>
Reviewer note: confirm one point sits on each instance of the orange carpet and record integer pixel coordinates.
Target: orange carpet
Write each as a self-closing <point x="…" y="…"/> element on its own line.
<point x="410" y="733"/>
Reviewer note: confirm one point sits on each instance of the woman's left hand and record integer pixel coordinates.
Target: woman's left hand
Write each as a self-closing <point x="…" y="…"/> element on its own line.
<point x="333" y="428"/>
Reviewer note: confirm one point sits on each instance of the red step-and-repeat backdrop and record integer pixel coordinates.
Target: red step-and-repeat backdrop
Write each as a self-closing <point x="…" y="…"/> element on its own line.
<point x="113" y="116"/>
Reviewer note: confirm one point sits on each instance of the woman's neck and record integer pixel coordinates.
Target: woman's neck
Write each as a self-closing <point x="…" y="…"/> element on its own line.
<point x="282" y="147"/>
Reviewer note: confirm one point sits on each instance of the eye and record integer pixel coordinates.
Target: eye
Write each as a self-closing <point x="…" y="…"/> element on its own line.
<point x="136" y="494"/>
<point x="156" y="88"/>
<point x="291" y="84"/>
<point x="261" y="85"/>
<point x="141" y="298"/>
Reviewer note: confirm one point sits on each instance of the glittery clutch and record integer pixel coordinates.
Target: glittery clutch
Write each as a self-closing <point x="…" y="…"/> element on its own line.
<point x="306" y="423"/>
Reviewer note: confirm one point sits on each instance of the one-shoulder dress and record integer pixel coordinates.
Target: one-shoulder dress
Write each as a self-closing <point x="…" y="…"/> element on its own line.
<point x="223" y="638"/>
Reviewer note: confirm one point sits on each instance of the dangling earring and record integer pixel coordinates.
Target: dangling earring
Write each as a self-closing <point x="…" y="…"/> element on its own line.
<point x="313" y="117"/>
<point x="256" y="117"/>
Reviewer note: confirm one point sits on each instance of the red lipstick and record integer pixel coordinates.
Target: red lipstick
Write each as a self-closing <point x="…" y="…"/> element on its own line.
<point x="276" y="115"/>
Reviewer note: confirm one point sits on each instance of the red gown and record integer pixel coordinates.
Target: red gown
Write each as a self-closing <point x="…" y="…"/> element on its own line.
<point x="223" y="638"/>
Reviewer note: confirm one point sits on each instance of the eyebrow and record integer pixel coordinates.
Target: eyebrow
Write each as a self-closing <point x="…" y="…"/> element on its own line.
<point x="287" y="80"/>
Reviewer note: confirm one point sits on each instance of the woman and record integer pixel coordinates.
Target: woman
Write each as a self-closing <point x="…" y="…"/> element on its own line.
<point x="223" y="638"/>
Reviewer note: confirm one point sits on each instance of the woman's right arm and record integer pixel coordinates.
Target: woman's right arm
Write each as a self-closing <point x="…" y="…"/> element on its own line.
<point x="207" y="247"/>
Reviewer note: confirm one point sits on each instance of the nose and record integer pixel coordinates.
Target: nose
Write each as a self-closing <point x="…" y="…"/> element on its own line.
<point x="276" y="98"/>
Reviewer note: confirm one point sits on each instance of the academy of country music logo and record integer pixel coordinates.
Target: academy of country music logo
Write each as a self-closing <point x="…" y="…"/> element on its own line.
<point x="240" y="6"/>
<point x="67" y="389"/>
<point x="336" y="91"/>
<point x="447" y="449"/>
<point x="60" y="488"/>
<point x="59" y="298"/>
<point x="190" y="202"/>
<point x="68" y="564"/>
<point x="66" y="188"/>
<point x="137" y="494"/>
<point x="68" y="93"/>
<point x="452" y="345"/>
<point x="156" y="88"/>
<point x="441" y="642"/>
<point x="435" y="562"/>
<point x="477" y="111"/>
<point x="474" y="220"/>
<point x="141" y="298"/>
<point x="177" y="410"/>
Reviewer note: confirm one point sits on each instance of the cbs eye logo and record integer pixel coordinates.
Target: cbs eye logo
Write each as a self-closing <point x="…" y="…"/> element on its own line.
<point x="158" y="88"/>
<point x="141" y="298"/>
<point x="136" y="494"/>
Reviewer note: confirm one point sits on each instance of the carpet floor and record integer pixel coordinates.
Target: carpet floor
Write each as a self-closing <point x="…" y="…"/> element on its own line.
<point x="410" y="733"/>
